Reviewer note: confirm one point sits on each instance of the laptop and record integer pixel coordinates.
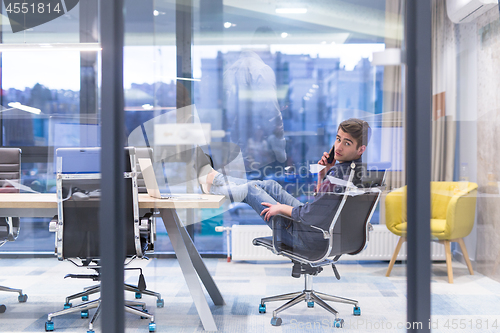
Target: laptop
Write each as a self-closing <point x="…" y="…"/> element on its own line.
<point x="152" y="187"/>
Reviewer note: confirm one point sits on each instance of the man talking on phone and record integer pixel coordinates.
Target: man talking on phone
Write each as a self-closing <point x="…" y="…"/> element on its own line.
<point x="268" y="198"/>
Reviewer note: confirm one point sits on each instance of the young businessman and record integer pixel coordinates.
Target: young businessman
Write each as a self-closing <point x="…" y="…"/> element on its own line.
<point x="268" y="198"/>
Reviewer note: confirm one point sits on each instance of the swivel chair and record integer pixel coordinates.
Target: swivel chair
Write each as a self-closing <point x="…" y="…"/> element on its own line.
<point x="77" y="232"/>
<point x="453" y="207"/>
<point x="347" y="234"/>
<point x="10" y="169"/>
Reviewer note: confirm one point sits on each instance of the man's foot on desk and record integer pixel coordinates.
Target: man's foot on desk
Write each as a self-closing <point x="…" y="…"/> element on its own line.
<point x="204" y="166"/>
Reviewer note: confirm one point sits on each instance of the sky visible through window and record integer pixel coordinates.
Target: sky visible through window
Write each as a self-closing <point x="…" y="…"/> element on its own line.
<point x="149" y="64"/>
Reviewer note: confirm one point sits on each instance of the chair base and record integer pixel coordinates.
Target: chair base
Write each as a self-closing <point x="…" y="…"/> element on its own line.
<point x="21" y="298"/>
<point x="87" y="305"/>
<point x="311" y="297"/>
<point x="128" y="287"/>
<point x="84" y="307"/>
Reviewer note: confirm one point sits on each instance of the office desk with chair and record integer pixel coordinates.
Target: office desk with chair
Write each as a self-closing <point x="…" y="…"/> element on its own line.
<point x="192" y="266"/>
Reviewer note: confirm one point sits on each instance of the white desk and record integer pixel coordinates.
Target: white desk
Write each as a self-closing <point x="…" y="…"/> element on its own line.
<point x="192" y="266"/>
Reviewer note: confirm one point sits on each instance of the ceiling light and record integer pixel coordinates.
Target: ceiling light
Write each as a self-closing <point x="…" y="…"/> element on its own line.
<point x="187" y="79"/>
<point x="228" y="25"/>
<point x="315" y="86"/>
<point x="147" y="106"/>
<point x="296" y="10"/>
<point x="17" y="105"/>
<point x="156" y="13"/>
<point x="284" y="35"/>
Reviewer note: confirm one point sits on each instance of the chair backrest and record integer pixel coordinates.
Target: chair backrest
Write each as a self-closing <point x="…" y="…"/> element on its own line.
<point x="350" y="232"/>
<point x="79" y="205"/>
<point x="348" y="228"/>
<point x="142" y="153"/>
<point x="10" y="168"/>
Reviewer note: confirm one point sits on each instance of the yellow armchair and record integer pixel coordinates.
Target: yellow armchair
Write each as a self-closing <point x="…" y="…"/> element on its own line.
<point x="453" y="207"/>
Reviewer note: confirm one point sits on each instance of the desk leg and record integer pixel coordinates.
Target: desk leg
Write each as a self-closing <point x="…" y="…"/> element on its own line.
<point x="184" y="253"/>
<point x="201" y="269"/>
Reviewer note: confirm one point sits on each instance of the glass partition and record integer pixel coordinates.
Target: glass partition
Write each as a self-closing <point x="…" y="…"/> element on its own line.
<point x="464" y="124"/>
<point x="259" y="86"/>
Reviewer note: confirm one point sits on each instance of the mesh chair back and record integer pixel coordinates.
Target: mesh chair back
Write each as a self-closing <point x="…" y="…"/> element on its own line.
<point x="349" y="233"/>
<point x="10" y="168"/>
<point x="81" y="233"/>
<point x="142" y="153"/>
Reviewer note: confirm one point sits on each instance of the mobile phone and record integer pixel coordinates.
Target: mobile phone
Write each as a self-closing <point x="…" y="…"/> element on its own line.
<point x="331" y="155"/>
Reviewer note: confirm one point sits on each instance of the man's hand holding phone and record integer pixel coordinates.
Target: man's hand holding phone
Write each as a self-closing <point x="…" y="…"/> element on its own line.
<point x="328" y="160"/>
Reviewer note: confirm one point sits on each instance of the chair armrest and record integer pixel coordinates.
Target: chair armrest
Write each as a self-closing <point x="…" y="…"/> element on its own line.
<point x="326" y="233"/>
<point x="395" y="208"/>
<point x="461" y="213"/>
<point x="286" y="217"/>
<point x="53" y="224"/>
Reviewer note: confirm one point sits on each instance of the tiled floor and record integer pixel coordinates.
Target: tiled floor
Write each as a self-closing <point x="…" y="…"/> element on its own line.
<point x="471" y="301"/>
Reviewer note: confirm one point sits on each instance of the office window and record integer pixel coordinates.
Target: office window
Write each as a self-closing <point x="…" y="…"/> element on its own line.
<point x="307" y="78"/>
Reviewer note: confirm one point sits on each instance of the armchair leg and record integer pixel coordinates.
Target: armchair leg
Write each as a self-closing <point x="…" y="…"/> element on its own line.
<point x="395" y="255"/>
<point x="447" y="249"/>
<point x="460" y="242"/>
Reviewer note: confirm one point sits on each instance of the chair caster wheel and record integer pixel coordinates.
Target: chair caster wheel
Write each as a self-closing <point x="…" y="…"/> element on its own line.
<point x="67" y="305"/>
<point x="85" y="298"/>
<point x="2" y="308"/>
<point x="138" y="295"/>
<point x="356" y="311"/>
<point x="310" y="304"/>
<point x="22" y="298"/>
<point x="276" y="321"/>
<point x="144" y="310"/>
<point x="160" y="303"/>
<point x="262" y="308"/>
<point x="152" y="327"/>
<point x="49" y="326"/>
<point x="338" y="323"/>
<point x="84" y="314"/>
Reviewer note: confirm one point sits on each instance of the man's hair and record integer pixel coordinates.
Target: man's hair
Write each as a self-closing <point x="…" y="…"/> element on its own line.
<point x="358" y="129"/>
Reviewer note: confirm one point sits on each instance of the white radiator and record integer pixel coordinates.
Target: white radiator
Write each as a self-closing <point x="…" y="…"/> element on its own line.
<point x="381" y="245"/>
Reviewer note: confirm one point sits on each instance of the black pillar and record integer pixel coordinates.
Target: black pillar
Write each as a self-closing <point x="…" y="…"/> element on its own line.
<point x="418" y="161"/>
<point x="88" y="59"/>
<point x="112" y="212"/>
<point x="184" y="41"/>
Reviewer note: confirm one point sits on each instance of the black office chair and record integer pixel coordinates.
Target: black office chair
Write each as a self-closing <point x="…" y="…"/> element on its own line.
<point x="10" y="170"/>
<point x="347" y="234"/>
<point x="77" y="232"/>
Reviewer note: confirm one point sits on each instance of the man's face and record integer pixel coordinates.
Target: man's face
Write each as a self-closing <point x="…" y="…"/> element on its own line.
<point x="345" y="147"/>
